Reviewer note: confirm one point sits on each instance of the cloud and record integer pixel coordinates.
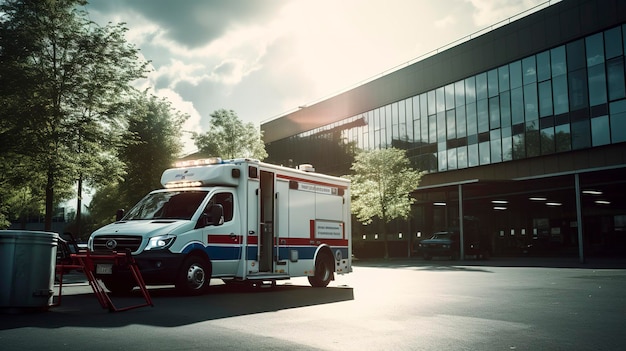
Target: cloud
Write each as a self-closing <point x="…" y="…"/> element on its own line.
<point x="488" y="12"/>
<point x="445" y="22"/>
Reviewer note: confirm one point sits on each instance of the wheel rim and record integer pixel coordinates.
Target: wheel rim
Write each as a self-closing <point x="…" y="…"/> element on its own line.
<point x="195" y="276"/>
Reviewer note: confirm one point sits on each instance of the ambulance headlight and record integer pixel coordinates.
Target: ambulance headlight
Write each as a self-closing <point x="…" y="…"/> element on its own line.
<point x="160" y="242"/>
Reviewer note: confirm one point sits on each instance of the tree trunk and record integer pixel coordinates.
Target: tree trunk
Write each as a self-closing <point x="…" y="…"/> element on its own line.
<point x="79" y="204"/>
<point x="49" y="201"/>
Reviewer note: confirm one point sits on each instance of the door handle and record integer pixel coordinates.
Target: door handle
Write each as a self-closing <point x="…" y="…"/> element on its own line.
<point x="233" y="236"/>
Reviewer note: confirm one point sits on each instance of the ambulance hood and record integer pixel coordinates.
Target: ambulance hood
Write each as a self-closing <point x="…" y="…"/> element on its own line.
<point x="146" y="228"/>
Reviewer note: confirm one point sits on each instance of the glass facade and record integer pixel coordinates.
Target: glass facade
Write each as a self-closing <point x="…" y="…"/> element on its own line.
<point x="567" y="98"/>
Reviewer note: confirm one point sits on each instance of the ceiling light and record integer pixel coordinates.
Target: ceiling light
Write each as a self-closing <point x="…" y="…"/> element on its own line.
<point x="592" y="192"/>
<point x="537" y="198"/>
<point x="554" y="203"/>
<point x="603" y="202"/>
<point x="499" y="202"/>
<point x="500" y="208"/>
<point x="439" y="203"/>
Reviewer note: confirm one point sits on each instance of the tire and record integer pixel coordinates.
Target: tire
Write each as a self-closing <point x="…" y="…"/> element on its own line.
<point x="324" y="270"/>
<point x="194" y="276"/>
<point x="118" y="286"/>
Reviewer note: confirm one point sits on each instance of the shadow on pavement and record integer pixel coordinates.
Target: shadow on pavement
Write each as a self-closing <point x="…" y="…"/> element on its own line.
<point x="464" y="265"/>
<point x="171" y="309"/>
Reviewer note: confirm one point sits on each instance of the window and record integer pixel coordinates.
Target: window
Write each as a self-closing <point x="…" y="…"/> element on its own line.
<point x="505" y="109"/>
<point x="543" y="66"/>
<point x="507" y="144"/>
<point x="515" y="71"/>
<point x="531" y="109"/>
<point x="470" y="90"/>
<point x="461" y="122"/>
<point x="450" y="98"/>
<point x="559" y="93"/>
<point x="459" y="93"/>
<point x="547" y="141"/>
<point x="581" y="134"/>
<point x="600" y="134"/>
<point x="451" y="124"/>
<point x="613" y="42"/>
<point x="529" y="70"/>
<point x="517" y="106"/>
<point x="558" y="65"/>
<point x="482" y="109"/>
<point x="618" y="121"/>
<point x="545" y="99"/>
<point x="483" y="151"/>
<point x="563" y="138"/>
<point x="578" y="98"/>
<point x="503" y="78"/>
<point x="615" y="76"/>
<point x="576" y="55"/>
<point x="597" y="85"/>
<point x="472" y="123"/>
<point x="496" y="146"/>
<point x="492" y="83"/>
<point x="595" y="49"/>
<point x="494" y="112"/>
<point x="533" y="143"/>
<point x="461" y="155"/>
<point x="481" y="86"/>
<point x="472" y="152"/>
<point x="224" y="199"/>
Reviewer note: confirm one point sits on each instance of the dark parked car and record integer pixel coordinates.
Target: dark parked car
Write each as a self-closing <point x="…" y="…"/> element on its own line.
<point x="440" y="244"/>
<point x="446" y="243"/>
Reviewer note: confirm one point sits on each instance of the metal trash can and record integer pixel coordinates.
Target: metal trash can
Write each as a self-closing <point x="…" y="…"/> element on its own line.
<point x="27" y="270"/>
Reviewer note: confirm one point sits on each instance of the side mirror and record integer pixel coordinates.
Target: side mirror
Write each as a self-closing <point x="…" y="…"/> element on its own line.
<point x="213" y="216"/>
<point x="217" y="214"/>
<point x="119" y="215"/>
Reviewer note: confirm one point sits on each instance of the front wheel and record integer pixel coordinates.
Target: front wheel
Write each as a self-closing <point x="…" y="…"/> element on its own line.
<point x="118" y="286"/>
<point x="323" y="272"/>
<point x="194" y="276"/>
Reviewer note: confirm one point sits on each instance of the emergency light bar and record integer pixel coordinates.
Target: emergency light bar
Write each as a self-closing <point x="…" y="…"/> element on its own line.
<point x="199" y="162"/>
<point x="171" y="185"/>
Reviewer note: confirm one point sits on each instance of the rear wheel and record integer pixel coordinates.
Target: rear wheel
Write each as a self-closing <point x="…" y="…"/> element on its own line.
<point x="324" y="270"/>
<point x="194" y="277"/>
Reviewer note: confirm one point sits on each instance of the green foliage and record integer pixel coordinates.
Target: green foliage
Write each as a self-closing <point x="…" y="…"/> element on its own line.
<point x="382" y="181"/>
<point x="230" y="138"/>
<point x="152" y="144"/>
<point x="61" y="81"/>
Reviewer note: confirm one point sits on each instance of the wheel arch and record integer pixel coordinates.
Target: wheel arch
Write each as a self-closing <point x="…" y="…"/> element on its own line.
<point x="325" y="250"/>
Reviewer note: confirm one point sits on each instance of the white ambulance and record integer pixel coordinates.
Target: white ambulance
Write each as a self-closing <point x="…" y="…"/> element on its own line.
<point x="240" y="220"/>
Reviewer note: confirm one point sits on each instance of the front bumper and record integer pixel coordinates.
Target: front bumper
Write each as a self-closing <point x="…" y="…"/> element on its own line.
<point x="156" y="267"/>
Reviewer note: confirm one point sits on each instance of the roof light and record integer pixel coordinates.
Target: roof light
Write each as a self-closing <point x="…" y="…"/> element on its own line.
<point x="198" y="162"/>
<point x="171" y="185"/>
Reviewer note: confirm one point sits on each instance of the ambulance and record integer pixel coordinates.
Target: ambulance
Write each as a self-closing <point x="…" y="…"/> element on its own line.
<point x="242" y="221"/>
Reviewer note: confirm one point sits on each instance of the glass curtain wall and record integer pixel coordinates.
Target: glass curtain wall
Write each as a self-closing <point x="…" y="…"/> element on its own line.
<point x="567" y="98"/>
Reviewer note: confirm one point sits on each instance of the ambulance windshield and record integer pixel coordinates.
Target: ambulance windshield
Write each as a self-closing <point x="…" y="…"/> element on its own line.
<point x="167" y="205"/>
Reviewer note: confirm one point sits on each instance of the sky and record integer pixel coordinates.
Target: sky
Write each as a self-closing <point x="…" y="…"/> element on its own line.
<point x="264" y="58"/>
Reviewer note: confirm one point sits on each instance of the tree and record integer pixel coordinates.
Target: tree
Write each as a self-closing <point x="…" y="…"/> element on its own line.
<point x="382" y="181"/>
<point x="228" y="137"/>
<point x="153" y="142"/>
<point x="61" y="80"/>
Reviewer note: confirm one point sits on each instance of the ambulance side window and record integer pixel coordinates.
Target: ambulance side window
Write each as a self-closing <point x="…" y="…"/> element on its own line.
<point x="224" y="199"/>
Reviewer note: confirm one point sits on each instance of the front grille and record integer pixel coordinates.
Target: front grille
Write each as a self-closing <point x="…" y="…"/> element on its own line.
<point x="116" y="243"/>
